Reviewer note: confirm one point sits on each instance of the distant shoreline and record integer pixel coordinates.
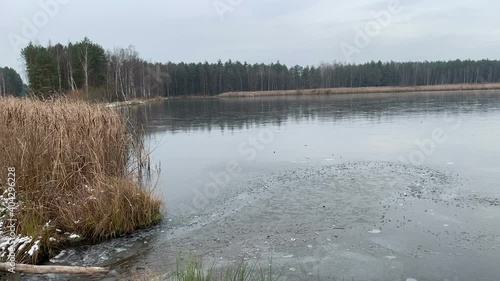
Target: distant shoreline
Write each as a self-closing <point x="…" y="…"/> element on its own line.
<point x="325" y="91"/>
<point x="366" y="90"/>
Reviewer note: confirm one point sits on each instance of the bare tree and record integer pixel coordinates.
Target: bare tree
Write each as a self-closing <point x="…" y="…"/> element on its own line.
<point x="2" y="88"/>
<point x="84" y="61"/>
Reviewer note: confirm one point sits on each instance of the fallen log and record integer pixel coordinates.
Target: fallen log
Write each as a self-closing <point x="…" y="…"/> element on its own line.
<point x="54" y="269"/>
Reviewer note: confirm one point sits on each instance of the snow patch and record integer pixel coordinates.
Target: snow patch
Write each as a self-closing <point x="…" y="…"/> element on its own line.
<point x="34" y="248"/>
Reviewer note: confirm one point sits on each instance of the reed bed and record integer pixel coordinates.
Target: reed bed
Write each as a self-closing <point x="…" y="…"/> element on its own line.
<point x="76" y="174"/>
<point x="367" y="90"/>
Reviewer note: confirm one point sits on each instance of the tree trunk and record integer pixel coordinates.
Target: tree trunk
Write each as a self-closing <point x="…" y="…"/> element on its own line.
<point x="84" y="61"/>
<point x="2" y="89"/>
<point x="59" y="69"/>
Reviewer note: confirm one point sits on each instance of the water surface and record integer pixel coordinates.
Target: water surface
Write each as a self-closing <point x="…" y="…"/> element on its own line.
<point x="354" y="187"/>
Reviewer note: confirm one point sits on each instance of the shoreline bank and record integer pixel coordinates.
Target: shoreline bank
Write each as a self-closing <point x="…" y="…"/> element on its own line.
<point x="133" y="102"/>
<point x="157" y="99"/>
<point x="366" y="90"/>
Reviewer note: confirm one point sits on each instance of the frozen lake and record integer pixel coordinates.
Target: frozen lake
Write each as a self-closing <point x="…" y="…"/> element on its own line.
<point x="354" y="187"/>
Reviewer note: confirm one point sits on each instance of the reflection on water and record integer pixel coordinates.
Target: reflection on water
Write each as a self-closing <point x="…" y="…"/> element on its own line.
<point x="195" y="137"/>
<point x="240" y="113"/>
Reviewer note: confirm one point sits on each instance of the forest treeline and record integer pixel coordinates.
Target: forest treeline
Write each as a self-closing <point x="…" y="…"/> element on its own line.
<point x="120" y="74"/>
<point x="11" y="83"/>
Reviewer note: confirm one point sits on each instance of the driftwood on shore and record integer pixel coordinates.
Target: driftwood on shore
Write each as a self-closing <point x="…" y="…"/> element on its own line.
<point x="54" y="269"/>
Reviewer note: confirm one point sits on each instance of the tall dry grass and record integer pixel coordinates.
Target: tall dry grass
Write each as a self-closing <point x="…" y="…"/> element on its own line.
<point x="73" y="166"/>
<point x="367" y="90"/>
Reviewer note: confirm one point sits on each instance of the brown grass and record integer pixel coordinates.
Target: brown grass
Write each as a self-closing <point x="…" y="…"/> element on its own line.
<point x="367" y="90"/>
<point x="73" y="167"/>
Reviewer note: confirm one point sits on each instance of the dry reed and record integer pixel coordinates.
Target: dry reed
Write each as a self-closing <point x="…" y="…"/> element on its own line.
<point x="73" y="167"/>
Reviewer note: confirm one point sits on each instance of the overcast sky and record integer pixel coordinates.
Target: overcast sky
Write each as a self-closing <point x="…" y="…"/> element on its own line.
<point x="301" y="32"/>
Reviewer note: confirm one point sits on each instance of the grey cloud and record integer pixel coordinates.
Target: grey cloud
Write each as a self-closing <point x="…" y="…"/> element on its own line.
<point x="292" y="31"/>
